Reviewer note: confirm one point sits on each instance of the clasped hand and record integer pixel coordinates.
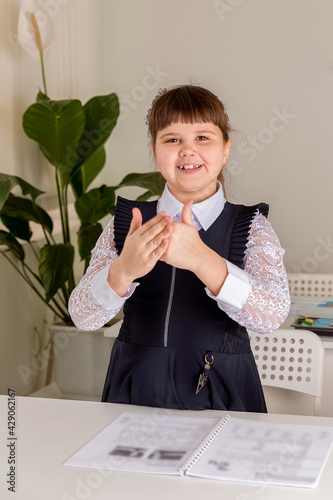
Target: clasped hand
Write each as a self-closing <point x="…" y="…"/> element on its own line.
<point x="185" y="245"/>
<point x="161" y="239"/>
<point x="175" y="243"/>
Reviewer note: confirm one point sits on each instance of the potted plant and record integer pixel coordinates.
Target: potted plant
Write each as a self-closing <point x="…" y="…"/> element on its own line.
<point x="72" y="137"/>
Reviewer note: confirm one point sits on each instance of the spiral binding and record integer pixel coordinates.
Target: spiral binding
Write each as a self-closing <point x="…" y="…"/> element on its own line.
<point x="204" y="445"/>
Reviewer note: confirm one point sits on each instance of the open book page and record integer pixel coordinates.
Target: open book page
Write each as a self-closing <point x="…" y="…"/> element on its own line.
<point x="155" y="444"/>
<point x="264" y="452"/>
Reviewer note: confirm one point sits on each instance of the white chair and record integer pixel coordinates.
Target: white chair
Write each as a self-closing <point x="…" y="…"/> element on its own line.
<point x="310" y="285"/>
<point x="291" y="359"/>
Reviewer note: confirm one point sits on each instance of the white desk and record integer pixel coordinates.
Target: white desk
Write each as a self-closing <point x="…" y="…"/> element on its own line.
<point x="49" y="432"/>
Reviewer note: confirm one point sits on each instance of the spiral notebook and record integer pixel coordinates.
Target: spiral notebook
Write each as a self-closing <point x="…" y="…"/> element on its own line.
<point x="230" y="448"/>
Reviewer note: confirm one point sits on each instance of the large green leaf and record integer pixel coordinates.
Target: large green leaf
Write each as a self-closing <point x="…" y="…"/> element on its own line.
<point x="26" y="210"/>
<point x="87" y="237"/>
<point x="8" y="182"/>
<point x="144" y="196"/>
<point x="18" y="227"/>
<point x="152" y="181"/>
<point x="55" y="266"/>
<point x="14" y="246"/>
<point x="57" y="127"/>
<point x="96" y="204"/>
<point x="101" y="114"/>
<point x="87" y="172"/>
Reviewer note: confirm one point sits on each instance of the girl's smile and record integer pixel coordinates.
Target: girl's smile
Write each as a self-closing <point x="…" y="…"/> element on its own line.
<point x="190" y="157"/>
<point x="189" y="167"/>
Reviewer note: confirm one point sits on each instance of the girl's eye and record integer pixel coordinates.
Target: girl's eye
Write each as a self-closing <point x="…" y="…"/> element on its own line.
<point x="173" y="140"/>
<point x="202" y="138"/>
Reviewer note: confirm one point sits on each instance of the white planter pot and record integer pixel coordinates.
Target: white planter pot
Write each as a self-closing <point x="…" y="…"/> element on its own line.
<point x="81" y="360"/>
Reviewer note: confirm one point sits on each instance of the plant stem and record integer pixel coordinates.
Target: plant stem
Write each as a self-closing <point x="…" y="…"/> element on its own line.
<point x="58" y="311"/>
<point x="64" y="316"/>
<point x="65" y="209"/>
<point x="29" y="282"/>
<point x="71" y="281"/>
<point x="43" y="70"/>
<point x="33" y="250"/>
<point x="60" y="206"/>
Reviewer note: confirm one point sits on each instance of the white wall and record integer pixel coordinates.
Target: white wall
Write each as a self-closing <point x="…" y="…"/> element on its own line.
<point x="263" y="58"/>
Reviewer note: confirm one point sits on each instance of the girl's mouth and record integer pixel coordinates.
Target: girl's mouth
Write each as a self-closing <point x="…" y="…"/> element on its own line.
<point x="189" y="167"/>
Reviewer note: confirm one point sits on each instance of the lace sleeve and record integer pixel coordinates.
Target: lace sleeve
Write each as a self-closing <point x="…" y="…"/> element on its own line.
<point x="268" y="303"/>
<point x="86" y="311"/>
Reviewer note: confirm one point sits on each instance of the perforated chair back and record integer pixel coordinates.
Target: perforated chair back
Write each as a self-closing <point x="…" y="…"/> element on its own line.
<point x="310" y="285"/>
<point x="291" y="359"/>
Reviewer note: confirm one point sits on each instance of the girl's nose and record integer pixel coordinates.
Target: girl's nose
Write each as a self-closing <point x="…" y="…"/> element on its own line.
<point x="187" y="150"/>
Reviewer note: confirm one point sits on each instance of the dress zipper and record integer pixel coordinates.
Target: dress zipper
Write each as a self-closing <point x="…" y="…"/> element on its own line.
<point x="167" y="317"/>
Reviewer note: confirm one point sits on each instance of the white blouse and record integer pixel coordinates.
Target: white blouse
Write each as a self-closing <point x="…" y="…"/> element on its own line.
<point x="256" y="296"/>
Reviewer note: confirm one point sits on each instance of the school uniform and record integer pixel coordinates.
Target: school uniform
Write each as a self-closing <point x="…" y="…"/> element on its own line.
<point x="171" y="323"/>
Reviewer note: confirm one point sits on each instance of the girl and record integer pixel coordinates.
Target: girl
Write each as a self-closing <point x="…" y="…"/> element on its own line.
<point x="192" y="270"/>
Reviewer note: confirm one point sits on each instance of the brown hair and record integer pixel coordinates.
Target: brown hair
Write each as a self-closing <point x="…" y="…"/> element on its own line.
<point x="187" y="104"/>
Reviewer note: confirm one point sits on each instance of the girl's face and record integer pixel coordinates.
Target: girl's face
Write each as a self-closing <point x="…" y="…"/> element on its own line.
<point x="190" y="157"/>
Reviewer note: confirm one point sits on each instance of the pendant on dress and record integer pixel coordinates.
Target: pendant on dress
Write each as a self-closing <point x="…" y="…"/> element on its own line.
<point x="203" y="378"/>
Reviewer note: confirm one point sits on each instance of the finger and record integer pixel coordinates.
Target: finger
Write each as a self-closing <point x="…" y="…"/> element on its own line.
<point x="136" y="221"/>
<point x="154" y="226"/>
<point x="161" y="249"/>
<point x="155" y="241"/>
<point x="187" y="214"/>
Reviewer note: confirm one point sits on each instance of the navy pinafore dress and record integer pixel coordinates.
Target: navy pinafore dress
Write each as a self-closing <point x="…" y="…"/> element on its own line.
<point x="170" y="324"/>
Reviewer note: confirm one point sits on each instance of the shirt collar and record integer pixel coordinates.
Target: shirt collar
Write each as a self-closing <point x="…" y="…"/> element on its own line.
<point x="206" y="211"/>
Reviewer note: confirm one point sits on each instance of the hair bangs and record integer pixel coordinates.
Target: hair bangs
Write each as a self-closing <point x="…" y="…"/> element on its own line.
<point x="187" y="104"/>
